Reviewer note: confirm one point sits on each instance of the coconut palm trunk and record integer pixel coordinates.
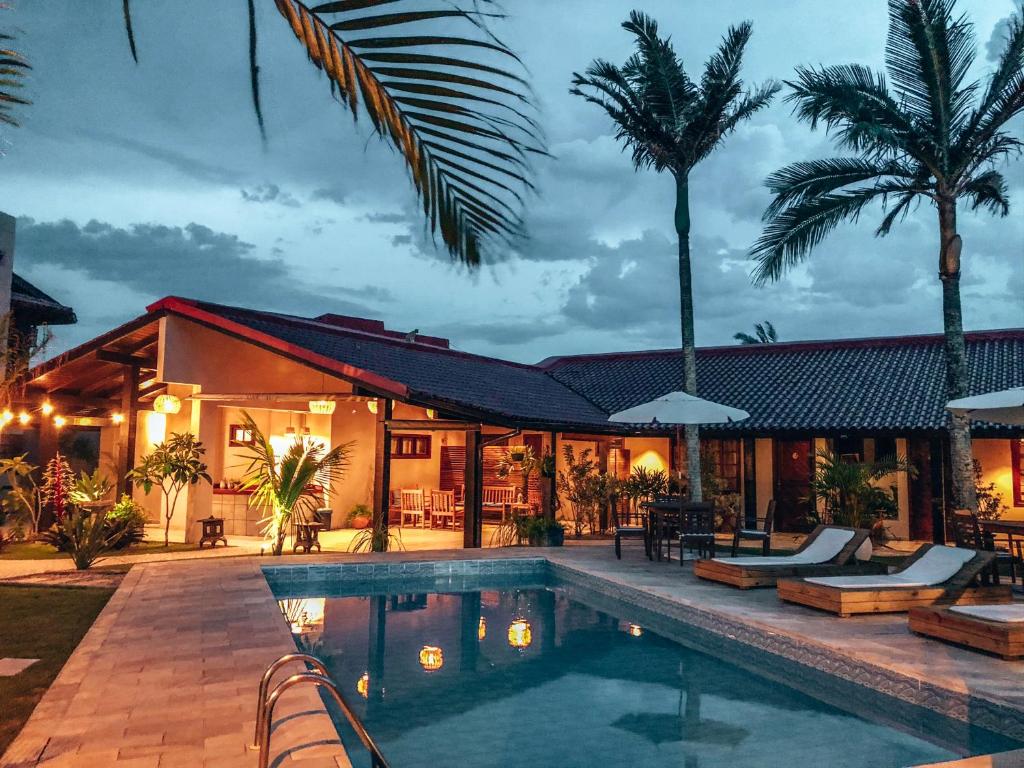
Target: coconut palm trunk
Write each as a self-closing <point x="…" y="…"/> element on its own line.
<point x="689" y="382"/>
<point x="961" y="455"/>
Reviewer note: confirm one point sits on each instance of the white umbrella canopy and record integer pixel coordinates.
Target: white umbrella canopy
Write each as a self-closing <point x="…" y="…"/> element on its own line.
<point x="679" y="408"/>
<point x="1004" y="407"/>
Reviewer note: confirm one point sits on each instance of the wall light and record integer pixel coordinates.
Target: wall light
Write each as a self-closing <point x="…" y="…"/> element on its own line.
<point x="371" y="406"/>
<point x="117" y="417"/>
<point x="322" y="407"/>
<point x="167" y="404"/>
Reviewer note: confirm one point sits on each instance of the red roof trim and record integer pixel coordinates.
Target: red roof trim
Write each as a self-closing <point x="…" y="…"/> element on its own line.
<point x="189" y="310"/>
<point x="790" y="346"/>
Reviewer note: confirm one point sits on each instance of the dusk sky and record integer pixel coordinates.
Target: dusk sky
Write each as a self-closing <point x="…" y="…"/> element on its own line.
<point x="132" y="182"/>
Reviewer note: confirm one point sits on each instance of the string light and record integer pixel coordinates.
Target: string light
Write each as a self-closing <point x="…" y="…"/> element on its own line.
<point x="59" y="421"/>
<point x="24" y="418"/>
<point x="8" y="417"/>
<point x="46" y="408"/>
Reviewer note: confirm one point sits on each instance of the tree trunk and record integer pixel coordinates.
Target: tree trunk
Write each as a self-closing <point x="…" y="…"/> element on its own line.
<point x="686" y="328"/>
<point x="961" y="457"/>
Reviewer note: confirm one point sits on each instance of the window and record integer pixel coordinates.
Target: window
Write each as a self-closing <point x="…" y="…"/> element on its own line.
<point x="239" y="436"/>
<point x="1017" y="471"/>
<point x="723" y="460"/>
<point x="848" y="449"/>
<point x="410" y="446"/>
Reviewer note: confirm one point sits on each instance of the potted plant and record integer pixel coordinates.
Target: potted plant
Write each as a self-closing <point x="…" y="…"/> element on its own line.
<point x="544" y="532"/>
<point x="292" y="482"/>
<point x="360" y="517"/>
<point x="522" y="460"/>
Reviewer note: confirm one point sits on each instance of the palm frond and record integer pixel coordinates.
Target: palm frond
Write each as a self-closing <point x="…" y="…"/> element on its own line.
<point x="795" y="230"/>
<point x="254" y="70"/>
<point x="657" y="73"/>
<point x="12" y="72"/>
<point x="928" y="54"/>
<point x="126" y="10"/>
<point x="813" y="178"/>
<point x="988" y="190"/>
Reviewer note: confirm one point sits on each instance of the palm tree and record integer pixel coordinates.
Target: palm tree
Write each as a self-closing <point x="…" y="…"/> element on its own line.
<point x="12" y="70"/>
<point x="462" y="122"/>
<point x="292" y="483"/>
<point x="934" y="136"/>
<point x="764" y="333"/>
<point x="671" y="123"/>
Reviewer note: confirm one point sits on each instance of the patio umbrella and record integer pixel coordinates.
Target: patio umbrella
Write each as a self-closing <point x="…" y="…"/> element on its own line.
<point x="1004" y="407"/>
<point x="679" y="408"/>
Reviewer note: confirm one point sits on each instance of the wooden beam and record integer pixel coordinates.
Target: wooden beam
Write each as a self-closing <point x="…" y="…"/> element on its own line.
<point x="432" y="425"/>
<point x="472" y="534"/>
<point x="128" y="427"/>
<point x="108" y="356"/>
<point x="382" y="469"/>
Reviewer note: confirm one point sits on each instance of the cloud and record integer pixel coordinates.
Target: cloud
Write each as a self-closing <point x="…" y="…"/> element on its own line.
<point x="270" y="193"/>
<point x="386" y="218"/>
<point x="179" y="161"/>
<point x="996" y="43"/>
<point x="336" y="193"/>
<point x="194" y="260"/>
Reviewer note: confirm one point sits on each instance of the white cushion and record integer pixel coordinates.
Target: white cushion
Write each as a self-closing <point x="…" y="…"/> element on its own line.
<point x="938" y="564"/>
<point x="826" y="546"/>
<point x="1012" y="613"/>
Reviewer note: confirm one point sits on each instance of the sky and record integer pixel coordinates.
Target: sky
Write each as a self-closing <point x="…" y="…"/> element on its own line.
<point x="136" y="181"/>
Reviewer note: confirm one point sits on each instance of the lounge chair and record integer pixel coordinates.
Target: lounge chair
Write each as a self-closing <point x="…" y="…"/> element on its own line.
<point x="997" y="629"/>
<point x="933" y="575"/>
<point x="828" y="550"/>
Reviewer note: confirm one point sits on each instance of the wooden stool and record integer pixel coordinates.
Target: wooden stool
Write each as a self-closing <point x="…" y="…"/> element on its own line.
<point x="307" y="536"/>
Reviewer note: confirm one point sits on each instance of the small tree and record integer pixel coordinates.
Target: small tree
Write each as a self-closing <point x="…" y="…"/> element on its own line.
<point x="578" y="483"/>
<point x="171" y="466"/>
<point x="848" y="489"/>
<point x="990" y="501"/>
<point x="24" y="499"/>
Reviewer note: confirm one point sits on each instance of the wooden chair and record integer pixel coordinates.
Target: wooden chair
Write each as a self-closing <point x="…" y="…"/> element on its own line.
<point x="631" y="524"/>
<point x="442" y="508"/>
<point x="663" y="525"/>
<point x="764" y="535"/>
<point x="697" y="530"/>
<point x="967" y="533"/>
<point x="413" y="507"/>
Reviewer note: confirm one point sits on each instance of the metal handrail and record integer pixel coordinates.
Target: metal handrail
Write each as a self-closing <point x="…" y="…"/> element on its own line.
<point x="263" y="725"/>
<point x="261" y="705"/>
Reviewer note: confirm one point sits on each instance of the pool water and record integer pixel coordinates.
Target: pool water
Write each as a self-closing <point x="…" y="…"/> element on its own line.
<point x="532" y="677"/>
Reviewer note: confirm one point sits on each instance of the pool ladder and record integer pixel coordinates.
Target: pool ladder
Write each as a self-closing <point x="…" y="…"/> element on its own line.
<point x="319" y="678"/>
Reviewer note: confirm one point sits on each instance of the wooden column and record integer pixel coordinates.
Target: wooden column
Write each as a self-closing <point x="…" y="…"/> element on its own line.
<point x="382" y="469"/>
<point x="472" y="535"/>
<point x="551" y="500"/>
<point x="128" y="427"/>
<point x="602" y="467"/>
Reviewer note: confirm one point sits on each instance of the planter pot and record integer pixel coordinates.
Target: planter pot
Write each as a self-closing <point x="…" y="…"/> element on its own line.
<point x="360" y="521"/>
<point x="554" y="537"/>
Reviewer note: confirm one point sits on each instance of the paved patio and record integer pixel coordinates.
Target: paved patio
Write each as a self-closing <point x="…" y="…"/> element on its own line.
<point x="167" y="676"/>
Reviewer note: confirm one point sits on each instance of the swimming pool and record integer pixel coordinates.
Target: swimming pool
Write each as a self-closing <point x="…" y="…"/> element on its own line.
<point x="502" y="670"/>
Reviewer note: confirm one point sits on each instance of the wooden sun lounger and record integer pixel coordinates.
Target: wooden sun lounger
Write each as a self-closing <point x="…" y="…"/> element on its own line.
<point x="846" y="601"/>
<point x="1003" y="638"/>
<point x="745" y="576"/>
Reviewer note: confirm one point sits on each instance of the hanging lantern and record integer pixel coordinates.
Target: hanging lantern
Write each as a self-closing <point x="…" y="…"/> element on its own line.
<point x="481" y="629"/>
<point x="363" y="685"/>
<point x="431" y="658"/>
<point x="519" y="634"/>
<point x="167" y="404"/>
<point x="322" y="407"/>
<point x="289" y="431"/>
<point x="371" y="406"/>
<point x="635" y="630"/>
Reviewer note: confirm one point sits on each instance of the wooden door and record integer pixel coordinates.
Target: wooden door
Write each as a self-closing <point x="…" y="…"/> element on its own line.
<point x="794" y="462"/>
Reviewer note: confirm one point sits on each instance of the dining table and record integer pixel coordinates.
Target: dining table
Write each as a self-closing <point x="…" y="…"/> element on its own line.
<point x="662" y="524"/>
<point x="1013" y="530"/>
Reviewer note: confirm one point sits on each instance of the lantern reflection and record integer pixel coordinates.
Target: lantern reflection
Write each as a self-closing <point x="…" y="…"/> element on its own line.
<point x="635" y="630"/>
<point x="481" y="629"/>
<point x="363" y="685"/>
<point x="431" y="658"/>
<point x="519" y="633"/>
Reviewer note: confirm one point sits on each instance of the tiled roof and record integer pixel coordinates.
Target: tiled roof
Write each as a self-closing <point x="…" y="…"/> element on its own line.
<point x="32" y="305"/>
<point x="514" y="392"/>
<point x="859" y="384"/>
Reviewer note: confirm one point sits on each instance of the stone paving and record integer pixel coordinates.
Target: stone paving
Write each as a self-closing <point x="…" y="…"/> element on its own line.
<point x="168" y="674"/>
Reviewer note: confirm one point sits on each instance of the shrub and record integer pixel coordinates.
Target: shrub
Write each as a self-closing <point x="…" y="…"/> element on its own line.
<point x="126" y="523"/>
<point x="85" y="534"/>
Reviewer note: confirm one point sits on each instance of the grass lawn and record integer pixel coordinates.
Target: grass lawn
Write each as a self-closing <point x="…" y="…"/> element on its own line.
<point x="39" y="551"/>
<point x="44" y="623"/>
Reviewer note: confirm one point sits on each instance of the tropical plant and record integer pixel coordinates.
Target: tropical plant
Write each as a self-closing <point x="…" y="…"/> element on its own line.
<point x="58" y="480"/>
<point x="86" y="536"/>
<point x="290" y="484"/>
<point x="12" y="71"/>
<point x="933" y="136"/>
<point x="90" y="489"/>
<point x="848" y="491"/>
<point x="377" y="538"/>
<point x="126" y="523"/>
<point x="990" y="501"/>
<point x="21" y="348"/>
<point x="462" y="121"/>
<point x="583" y="487"/>
<point x="519" y="460"/>
<point x="764" y="333"/>
<point x="360" y="512"/>
<point x="23" y="498"/>
<point x="172" y="466"/>
<point x="672" y="123"/>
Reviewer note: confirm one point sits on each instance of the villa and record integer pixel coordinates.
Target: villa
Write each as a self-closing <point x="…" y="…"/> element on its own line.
<point x="425" y="416"/>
